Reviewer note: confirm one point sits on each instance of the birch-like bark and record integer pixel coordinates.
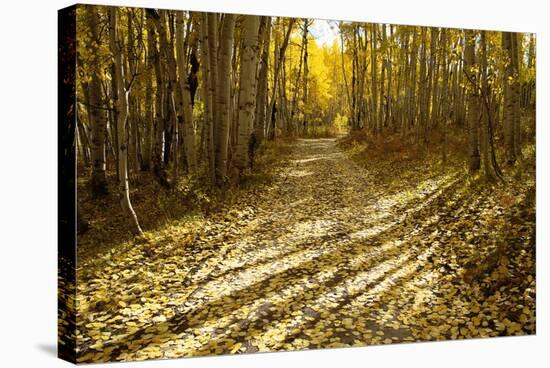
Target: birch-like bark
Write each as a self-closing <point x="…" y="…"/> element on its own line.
<point x="344" y="73"/>
<point x="173" y="99"/>
<point x="413" y="96"/>
<point x="213" y="20"/>
<point x="382" y="117"/>
<point x="362" y="84"/>
<point x="223" y="113"/>
<point x="305" y="92"/>
<point x="149" y="116"/>
<point x="208" y="86"/>
<point x="516" y="88"/>
<point x="96" y="114"/>
<point x="122" y="117"/>
<point x="423" y="94"/>
<point x="473" y="113"/>
<point x="374" y="108"/>
<point x="509" y="114"/>
<point x="484" y="126"/>
<point x="434" y="78"/>
<point x="294" y="102"/>
<point x="389" y="118"/>
<point x="247" y="91"/>
<point x="131" y="62"/>
<point x="261" y="96"/>
<point x="444" y="96"/>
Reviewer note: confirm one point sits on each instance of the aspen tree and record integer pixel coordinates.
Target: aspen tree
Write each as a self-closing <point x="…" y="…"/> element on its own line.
<point x="208" y="85"/>
<point x="294" y="101"/>
<point x="510" y="113"/>
<point x="374" y="79"/>
<point x="149" y="114"/>
<point x="381" y="116"/>
<point x="213" y="20"/>
<point x="444" y="97"/>
<point x="131" y="65"/>
<point x="278" y="62"/>
<point x="223" y="113"/>
<point x="174" y="95"/>
<point x="343" y="64"/>
<point x="484" y="126"/>
<point x="516" y="88"/>
<point x="159" y="169"/>
<point x="423" y="93"/>
<point x="96" y="114"/>
<point x="261" y="96"/>
<point x="415" y="102"/>
<point x="473" y="112"/>
<point x="122" y="117"/>
<point x="434" y="77"/>
<point x="305" y="94"/>
<point x="247" y="90"/>
<point x="388" y="61"/>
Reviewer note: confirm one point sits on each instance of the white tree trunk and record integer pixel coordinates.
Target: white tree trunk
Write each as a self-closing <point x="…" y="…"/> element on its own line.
<point x="122" y="117"/>
<point x="247" y="91"/>
<point x="470" y="68"/>
<point x="222" y="114"/>
<point x="213" y="79"/>
<point x="261" y="95"/>
<point x="509" y="114"/>
<point x="208" y="97"/>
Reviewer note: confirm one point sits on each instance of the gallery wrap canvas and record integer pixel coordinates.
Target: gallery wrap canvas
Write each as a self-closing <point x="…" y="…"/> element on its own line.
<point x="235" y="184"/>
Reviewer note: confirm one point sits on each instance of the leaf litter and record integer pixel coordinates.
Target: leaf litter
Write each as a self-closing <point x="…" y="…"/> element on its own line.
<point x="334" y="252"/>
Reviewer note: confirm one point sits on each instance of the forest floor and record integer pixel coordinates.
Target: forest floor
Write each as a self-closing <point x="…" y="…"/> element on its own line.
<point x="337" y="250"/>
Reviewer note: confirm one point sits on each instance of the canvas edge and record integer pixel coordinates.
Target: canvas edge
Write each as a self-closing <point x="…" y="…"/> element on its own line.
<point x="66" y="183"/>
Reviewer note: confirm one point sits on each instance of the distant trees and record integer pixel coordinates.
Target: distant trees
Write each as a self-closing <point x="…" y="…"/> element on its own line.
<point x="420" y="80"/>
<point x="278" y="62"/>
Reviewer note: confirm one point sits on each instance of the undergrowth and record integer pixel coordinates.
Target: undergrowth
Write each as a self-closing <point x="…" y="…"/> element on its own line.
<point x="160" y="210"/>
<point x="503" y="212"/>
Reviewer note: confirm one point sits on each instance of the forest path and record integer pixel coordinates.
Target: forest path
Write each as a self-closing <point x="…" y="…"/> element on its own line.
<point x="322" y="258"/>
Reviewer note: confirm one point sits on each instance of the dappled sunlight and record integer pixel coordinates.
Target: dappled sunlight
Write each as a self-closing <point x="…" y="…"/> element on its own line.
<point x="314" y="228"/>
<point x="294" y="292"/>
<point x="425" y="190"/>
<point x="256" y="275"/>
<point x="331" y="303"/>
<point x="377" y="223"/>
<point x="328" y="260"/>
<point x="326" y="300"/>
